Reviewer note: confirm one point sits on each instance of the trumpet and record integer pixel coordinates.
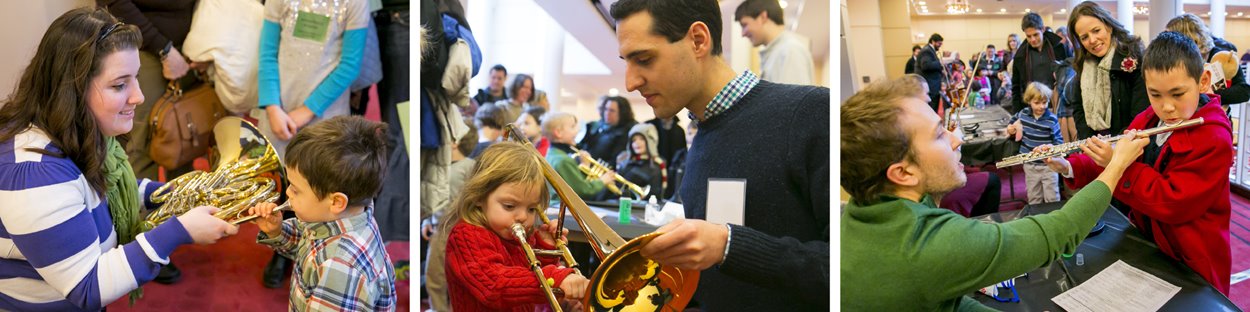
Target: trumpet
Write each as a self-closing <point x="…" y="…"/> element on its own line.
<point x="243" y="176"/>
<point x="1065" y="148"/>
<point x="625" y="280"/>
<point x="593" y="168"/>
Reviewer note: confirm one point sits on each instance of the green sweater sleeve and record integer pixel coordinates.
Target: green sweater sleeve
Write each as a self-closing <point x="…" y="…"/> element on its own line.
<point x="585" y="188"/>
<point x="994" y="252"/>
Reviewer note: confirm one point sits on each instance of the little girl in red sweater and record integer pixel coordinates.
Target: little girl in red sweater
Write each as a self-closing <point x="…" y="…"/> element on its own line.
<point x="486" y="267"/>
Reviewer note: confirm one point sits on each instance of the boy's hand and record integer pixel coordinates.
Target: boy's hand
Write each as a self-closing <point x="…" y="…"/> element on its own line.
<point x="574" y="286"/>
<point x="280" y="123"/>
<point x="1058" y="165"/>
<point x="608" y="178"/>
<point x="1128" y="149"/>
<point x="203" y="227"/>
<point x="302" y="116"/>
<point x="547" y="232"/>
<point x="268" y="222"/>
<point x="1098" y="150"/>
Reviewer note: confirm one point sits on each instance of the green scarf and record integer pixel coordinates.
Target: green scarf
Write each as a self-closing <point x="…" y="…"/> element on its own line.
<point x="122" y="192"/>
<point x="123" y="197"/>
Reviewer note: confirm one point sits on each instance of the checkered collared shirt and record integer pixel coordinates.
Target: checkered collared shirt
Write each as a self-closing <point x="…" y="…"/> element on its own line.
<point x="730" y="94"/>
<point x="340" y="265"/>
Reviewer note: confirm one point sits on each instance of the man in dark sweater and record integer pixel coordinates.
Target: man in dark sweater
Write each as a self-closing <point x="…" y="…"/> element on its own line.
<point x="774" y="136"/>
<point x="1036" y="61"/>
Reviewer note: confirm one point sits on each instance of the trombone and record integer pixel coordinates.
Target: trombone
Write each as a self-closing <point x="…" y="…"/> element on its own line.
<point x="625" y="280"/>
<point x="593" y="168"/>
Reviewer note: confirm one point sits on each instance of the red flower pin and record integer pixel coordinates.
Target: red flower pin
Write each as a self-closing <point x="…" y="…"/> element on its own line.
<point x="1129" y="64"/>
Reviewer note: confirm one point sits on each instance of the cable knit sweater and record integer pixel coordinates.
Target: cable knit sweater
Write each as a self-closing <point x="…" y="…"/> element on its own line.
<point x="486" y="273"/>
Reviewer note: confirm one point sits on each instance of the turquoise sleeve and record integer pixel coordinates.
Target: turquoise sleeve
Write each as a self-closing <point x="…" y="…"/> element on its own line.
<point x="343" y="75"/>
<point x="269" y="86"/>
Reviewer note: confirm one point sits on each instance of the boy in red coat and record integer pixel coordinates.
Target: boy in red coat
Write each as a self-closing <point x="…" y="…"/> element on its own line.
<point x="1177" y="192"/>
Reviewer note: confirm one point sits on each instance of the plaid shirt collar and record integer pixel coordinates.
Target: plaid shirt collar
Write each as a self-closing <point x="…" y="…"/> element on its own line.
<point x="328" y="229"/>
<point x="730" y="94"/>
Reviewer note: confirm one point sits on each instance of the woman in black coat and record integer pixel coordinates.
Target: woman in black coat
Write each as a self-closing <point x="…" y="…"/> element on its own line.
<point x="1108" y="64"/>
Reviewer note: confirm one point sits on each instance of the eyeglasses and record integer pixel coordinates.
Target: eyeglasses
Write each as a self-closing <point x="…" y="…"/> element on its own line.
<point x="108" y="30"/>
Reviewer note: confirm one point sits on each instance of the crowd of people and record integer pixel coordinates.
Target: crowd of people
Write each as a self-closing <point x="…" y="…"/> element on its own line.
<point x="491" y="181"/>
<point x="1085" y="81"/>
<point x="77" y="128"/>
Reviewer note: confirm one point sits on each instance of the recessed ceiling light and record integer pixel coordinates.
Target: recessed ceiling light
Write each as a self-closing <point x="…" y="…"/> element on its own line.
<point x="1002" y="10"/>
<point x="920" y="3"/>
<point x="978" y="10"/>
<point x="782" y="3"/>
<point x="1027" y="10"/>
<point x="1240" y="13"/>
<point x="1063" y="10"/>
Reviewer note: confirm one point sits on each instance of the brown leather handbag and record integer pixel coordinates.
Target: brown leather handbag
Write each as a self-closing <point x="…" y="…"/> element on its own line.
<point x="181" y="124"/>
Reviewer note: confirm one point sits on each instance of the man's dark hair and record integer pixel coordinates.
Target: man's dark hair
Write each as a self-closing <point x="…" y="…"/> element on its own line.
<point x="935" y="38"/>
<point x="1171" y="50"/>
<point x="989" y="46"/>
<point x="1032" y="20"/>
<point x="500" y="67"/>
<point x="672" y="18"/>
<point x="753" y="8"/>
<point x="915" y="47"/>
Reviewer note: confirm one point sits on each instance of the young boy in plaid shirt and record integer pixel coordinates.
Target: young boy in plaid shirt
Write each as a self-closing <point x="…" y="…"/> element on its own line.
<point x="335" y="168"/>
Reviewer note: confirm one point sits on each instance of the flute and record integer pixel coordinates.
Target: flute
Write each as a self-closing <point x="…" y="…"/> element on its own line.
<point x="1065" y="148"/>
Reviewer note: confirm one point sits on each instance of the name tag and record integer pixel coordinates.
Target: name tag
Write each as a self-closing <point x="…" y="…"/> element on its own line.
<point x="726" y="201"/>
<point x="311" y="26"/>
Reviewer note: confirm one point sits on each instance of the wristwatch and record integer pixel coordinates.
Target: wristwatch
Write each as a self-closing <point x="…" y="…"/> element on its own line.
<point x="165" y="51"/>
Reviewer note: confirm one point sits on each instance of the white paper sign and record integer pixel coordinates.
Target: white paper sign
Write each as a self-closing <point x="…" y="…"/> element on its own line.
<point x="726" y="201"/>
<point x="1119" y="287"/>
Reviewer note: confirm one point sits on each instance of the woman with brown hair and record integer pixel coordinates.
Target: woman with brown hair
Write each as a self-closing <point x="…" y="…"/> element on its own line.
<point x="1107" y="62"/>
<point x="69" y="200"/>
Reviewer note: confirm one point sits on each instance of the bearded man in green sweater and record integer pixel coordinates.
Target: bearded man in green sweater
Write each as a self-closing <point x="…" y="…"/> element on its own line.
<point x="902" y="253"/>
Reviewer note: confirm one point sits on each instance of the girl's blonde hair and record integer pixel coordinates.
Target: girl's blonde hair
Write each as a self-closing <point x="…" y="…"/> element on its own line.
<point x="1191" y="26"/>
<point x="503" y="162"/>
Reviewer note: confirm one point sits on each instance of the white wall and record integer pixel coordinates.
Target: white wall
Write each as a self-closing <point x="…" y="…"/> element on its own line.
<point x="24" y="23"/>
<point x="865" y="38"/>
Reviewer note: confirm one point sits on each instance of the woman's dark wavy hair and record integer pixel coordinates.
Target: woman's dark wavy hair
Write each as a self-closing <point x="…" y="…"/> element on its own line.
<point x="52" y="93"/>
<point x="1125" y="42"/>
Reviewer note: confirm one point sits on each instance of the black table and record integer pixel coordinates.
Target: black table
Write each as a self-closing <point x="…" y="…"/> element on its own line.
<point x="985" y="145"/>
<point x="1118" y="241"/>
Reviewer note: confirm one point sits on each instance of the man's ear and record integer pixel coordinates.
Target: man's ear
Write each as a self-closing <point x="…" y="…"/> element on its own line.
<point x="903" y="173"/>
<point x="338" y="202"/>
<point x="701" y="37"/>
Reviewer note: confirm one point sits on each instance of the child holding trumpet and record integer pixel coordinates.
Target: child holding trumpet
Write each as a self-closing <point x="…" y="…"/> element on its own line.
<point x="1178" y="190"/>
<point x="487" y="267"/>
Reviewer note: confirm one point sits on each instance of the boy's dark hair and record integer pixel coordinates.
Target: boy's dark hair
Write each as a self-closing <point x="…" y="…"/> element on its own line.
<point x="500" y="67"/>
<point x="1032" y="20"/>
<point x="536" y="112"/>
<point x="915" y="47"/>
<point x="935" y="38"/>
<point x="468" y="142"/>
<point x="490" y="116"/>
<point x="1171" y="50"/>
<point x="672" y="18"/>
<point x="344" y="154"/>
<point x="989" y="46"/>
<point x="753" y="8"/>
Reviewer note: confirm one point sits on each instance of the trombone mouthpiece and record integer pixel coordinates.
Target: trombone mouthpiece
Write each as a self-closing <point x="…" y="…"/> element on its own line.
<point x="519" y="231"/>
